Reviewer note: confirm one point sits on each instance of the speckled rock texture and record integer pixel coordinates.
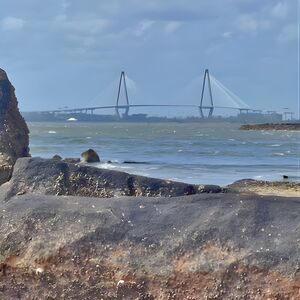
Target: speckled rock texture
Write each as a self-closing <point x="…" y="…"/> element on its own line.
<point x="55" y="177"/>
<point x="207" y="246"/>
<point x="14" y="132"/>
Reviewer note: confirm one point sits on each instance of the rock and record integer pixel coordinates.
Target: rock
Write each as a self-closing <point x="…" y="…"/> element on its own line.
<point x="261" y="187"/>
<point x="135" y="162"/>
<point x="57" y="157"/>
<point x="71" y="160"/>
<point x="14" y="139"/>
<point x="272" y="126"/>
<point x="90" y="156"/>
<point x="208" y="246"/>
<point x="51" y="177"/>
<point x="67" y="159"/>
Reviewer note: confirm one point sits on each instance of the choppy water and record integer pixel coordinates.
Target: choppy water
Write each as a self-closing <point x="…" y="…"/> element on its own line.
<point x="193" y="153"/>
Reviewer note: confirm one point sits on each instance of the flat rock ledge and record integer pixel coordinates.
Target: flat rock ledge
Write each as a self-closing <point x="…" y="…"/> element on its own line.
<point x="261" y="187"/>
<point x="206" y="246"/>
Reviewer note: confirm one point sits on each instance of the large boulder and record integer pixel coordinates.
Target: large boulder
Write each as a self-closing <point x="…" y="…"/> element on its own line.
<point x="14" y="132"/>
<point x="209" y="246"/>
<point x="54" y="177"/>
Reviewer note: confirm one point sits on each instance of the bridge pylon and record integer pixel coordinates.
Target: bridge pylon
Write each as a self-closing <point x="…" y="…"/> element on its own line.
<point x="211" y="106"/>
<point x="126" y="106"/>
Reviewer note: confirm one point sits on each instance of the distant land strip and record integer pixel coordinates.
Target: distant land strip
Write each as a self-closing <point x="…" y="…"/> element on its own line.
<point x="272" y="126"/>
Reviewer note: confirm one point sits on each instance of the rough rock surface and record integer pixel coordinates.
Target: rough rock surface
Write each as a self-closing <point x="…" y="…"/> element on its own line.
<point x="261" y="187"/>
<point x="208" y="246"/>
<point x="55" y="177"/>
<point x="14" y="132"/>
<point x="90" y="156"/>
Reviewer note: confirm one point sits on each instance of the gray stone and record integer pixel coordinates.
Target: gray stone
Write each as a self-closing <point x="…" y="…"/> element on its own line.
<point x="54" y="177"/>
<point x="14" y="132"/>
<point x="90" y="156"/>
<point x="208" y="246"/>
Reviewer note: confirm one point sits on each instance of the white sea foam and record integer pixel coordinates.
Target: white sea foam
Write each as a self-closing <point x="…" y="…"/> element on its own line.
<point x="51" y="131"/>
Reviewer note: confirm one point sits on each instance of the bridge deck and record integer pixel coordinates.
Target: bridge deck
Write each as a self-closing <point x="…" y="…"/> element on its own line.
<point x="81" y="109"/>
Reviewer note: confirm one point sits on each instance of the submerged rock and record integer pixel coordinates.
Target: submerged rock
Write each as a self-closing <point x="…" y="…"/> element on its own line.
<point x="90" y="156"/>
<point x="54" y="177"/>
<point x="14" y="139"/>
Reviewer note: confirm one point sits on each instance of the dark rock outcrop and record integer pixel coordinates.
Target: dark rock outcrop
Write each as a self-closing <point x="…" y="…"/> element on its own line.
<point x="90" y="156"/>
<point x="14" y="132"/>
<point x="208" y="246"/>
<point x="54" y="177"/>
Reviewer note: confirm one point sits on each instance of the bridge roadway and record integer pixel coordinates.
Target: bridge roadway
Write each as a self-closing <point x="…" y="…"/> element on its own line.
<point x="85" y="109"/>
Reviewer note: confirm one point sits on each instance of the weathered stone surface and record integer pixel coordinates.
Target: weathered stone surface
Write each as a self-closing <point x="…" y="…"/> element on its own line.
<point x="54" y="177"/>
<point x="14" y="138"/>
<point x="90" y="156"/>
<point x="208" y="246"/>
<point x="57" y="157"/>
<point x="261" y="187"/>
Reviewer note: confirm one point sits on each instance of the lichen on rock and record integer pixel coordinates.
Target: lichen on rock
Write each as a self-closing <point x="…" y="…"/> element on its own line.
<point x="14" y="133"/>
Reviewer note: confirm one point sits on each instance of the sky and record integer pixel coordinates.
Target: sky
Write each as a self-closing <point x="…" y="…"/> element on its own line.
<point x="70" y="52"/>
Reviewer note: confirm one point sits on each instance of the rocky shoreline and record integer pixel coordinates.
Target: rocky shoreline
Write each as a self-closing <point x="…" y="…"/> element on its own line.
<point x="63" y="237"/>
<point x="72" y="231"/>
<point x="272" y="126"/>
<point x="205" y="246"/>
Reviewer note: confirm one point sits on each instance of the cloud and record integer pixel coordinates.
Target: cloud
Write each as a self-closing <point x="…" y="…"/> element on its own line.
<point x="251" y="24"/>
<point x="280" y="10"/>
<point x="85" y="41"/>
<point x="65" y="4"/>
<point x="81" y="25"/>
<point x="227" y="34"/>
<point x="172" y="26"/>
<point x="12" y="24"/>
<point x="289" y="33"/>
<point x="143" y="27"/>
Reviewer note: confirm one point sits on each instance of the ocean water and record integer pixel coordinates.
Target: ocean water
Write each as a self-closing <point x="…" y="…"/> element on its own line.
<point x="212" y="153"/>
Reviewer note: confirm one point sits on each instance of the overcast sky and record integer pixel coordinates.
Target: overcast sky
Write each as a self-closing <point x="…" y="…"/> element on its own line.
<point x="66" y="52"/>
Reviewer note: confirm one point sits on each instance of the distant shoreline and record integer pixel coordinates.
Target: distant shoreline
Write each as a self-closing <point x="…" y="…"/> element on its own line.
<point x="250" y="118"/>
<point x="272" y="126"/>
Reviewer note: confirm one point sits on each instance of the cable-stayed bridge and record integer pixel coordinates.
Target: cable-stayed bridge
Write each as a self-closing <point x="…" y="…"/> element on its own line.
<point x="214" y="95"/>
